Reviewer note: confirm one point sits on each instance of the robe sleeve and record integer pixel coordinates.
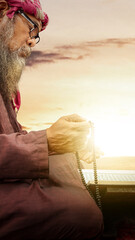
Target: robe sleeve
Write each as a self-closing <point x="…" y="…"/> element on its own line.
<point x="24" y="155"/>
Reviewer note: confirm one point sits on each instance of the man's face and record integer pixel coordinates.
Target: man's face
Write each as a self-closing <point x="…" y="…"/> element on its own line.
<point x="15" y="47"/>
<point x="22" y="28"/>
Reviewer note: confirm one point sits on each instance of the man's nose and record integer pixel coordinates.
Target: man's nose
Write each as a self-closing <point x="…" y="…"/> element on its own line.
<point x="31" y="42"/>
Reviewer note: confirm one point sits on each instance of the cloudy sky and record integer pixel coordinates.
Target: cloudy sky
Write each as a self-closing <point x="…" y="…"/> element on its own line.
<point x="85" y="64"/>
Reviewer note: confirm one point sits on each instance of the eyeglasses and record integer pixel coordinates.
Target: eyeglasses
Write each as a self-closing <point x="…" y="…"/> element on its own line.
<point x="34" y="32"/>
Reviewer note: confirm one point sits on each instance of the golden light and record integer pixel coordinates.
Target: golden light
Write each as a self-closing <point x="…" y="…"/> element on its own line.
<point x="115" y="137"/>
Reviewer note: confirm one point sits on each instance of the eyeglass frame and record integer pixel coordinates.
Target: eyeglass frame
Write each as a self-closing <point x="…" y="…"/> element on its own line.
<point x="33" y="23"/>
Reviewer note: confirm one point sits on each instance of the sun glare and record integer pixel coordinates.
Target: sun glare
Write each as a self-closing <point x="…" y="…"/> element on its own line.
<point x="115" y="138"/>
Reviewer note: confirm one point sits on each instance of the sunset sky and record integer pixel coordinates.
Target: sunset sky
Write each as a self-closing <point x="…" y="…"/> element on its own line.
<point x="85" y="64"/>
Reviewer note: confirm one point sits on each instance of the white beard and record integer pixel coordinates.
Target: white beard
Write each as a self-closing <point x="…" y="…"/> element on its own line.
<point x="11" y="65"/>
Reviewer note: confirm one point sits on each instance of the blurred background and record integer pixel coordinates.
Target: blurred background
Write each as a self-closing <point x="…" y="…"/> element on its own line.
<point x="85" y="64"/>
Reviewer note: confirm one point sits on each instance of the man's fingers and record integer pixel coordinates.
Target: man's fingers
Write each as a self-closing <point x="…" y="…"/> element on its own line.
<point x="86" y="156"/>
<point x="75" y="123"/>
<point x="74" y="118"/>
<point x="80" y="126"/>
<point x="68" y="134"/>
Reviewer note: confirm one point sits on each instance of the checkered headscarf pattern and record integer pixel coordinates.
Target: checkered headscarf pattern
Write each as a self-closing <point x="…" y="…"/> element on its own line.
<point x="32" y="7"/>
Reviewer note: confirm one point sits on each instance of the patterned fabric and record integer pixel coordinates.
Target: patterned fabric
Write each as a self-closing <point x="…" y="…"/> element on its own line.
<point x="32" y="7"/>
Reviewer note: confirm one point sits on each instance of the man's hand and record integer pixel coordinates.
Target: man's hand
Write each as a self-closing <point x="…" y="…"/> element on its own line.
<point x="68" y="134"/>
<point x="86" y="154"/>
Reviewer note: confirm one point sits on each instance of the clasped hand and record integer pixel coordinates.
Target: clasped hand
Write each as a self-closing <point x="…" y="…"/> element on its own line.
<point x="70" y="134"/>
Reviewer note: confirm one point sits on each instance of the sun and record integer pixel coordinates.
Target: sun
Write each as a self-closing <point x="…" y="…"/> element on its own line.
<point x="115" y="137"/>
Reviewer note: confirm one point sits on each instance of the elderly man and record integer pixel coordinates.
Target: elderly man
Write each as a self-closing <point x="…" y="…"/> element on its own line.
<point x="38" y="200"/>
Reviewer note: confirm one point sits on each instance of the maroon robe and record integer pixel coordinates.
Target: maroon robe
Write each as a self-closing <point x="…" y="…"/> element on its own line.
<point x="40" y="200"/>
